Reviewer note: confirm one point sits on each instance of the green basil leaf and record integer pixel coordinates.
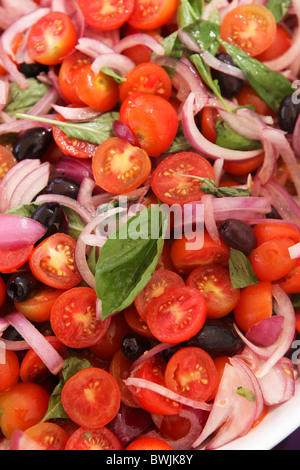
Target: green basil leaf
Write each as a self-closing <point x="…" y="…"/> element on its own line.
<point x="114" y="75"/>
<point x="279" y="8"/>
<point x="246" y="393"/>
<point x="20" y="101"/>
<point x="26" y="210"/>
<point x="208" y="186"/>
<point x="180" y="143"/>
<point x="188" y="11"/>
<point x="206" y="34"/>
<point x="240" y="270"/>
<point x="128" y="258"/>
<point x="227" y="138"/>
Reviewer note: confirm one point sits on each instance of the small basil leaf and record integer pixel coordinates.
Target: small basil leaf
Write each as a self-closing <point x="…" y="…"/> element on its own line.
<point x="246" y="393"/>
<point x="227" y="138"/>
<point x="279" y="8"/>
<point x="114" y="75"/>
<point x="240" y="270"/>
<point x="20" y="100"/>
<point x="208" y="186"/>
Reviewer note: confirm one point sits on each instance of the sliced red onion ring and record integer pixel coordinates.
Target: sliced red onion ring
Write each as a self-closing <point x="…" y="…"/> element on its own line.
<point x="17" y="231"/>
<point x="117" y="62"/>
<point x="4" y="90"/>
<point x="75" y="168"/>
<point x="138" y="39"/>
<point x="85" y="194"/>
<point x="283" y="202"/>
<point x="122" y="131"/>
<point x="20" y="441"/>
<point x="209" y="218"/>
<point x="30" y="186"/>
<point x="93" y="47"/>
<point x="76" y="114"/>
<point x="278" y="385"/>
<point x="129" y="423"/>
<point x="152" y="352"/>
<point x="296" y="138"/>
<point x="267" y="331"/>
<point x="68" y="202"/>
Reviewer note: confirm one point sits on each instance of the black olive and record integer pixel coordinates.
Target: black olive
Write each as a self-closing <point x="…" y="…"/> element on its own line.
<point x="230" y="86"/>
<point x="273" y="214"/>
<point x="11" y="334"/>
<point x="32" y="70"/>
<point x="288" y="113"/>
<point x="238" y="235"/>
<point x="134" y="345"/>
<point x="52" y="216"/>
<point x="19" y="288"/>
<point x="63" y="186"/>
<point x="32" y="144"/>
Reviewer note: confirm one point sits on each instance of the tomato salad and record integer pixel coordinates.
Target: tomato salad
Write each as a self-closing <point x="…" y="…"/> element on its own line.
<point x="149" y="221"/>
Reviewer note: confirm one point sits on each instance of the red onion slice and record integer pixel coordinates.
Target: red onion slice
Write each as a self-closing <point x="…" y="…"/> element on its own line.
<point x="278" y="385"/>
<point x="93" y="47"/>
<point x="75" y="168"/>
<point x="117" y="62"/>
<point x="20" y="441"/>
<point x="68" y="202"/>
<point x="122" y="131"/>
<point x="30" y="186"/>
<point x="267" y="331"/>
<point x="85" y="194"/>
<point x="138" y="39"/>
<point x="129" y="423"/>
<point x="85" y="113"/>
<point x="17" y="231"/>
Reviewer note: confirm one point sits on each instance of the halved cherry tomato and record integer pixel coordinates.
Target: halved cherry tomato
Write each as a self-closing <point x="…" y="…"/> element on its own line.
<point x="271" y="260"/>
<point x="191" y="372"/>
<point x="106" y="14"/>
<point x="160" y="281"/>
<point x="214" y="281"/>
<point x="49" y="436"/>
<point x="152" y="13"/>
<point x="247" y="96"/>
<point x="70" y="146"/>
<point x="196" y="249"/>
<point x="67" y="74"/>
<point x="254" y="305"/>
<point x="93" y="439"/>
<point x="252" y="28"/>
<point x="140" y="53"/>
<point x="208" y="119"/>
<point x="99" y="91"/>
<point x="171" y="187"/>
<point x="7" y="161"/>
<point x="107" y="347"/>
<point x="9" y="371"/>
<point x="147" y="78"/>
<point x="152" y="120"/>
<point x="136" y="323"/>
<point x="37" y="307"/>
<point x="91" y="398"/>
<point x="177" y="314"/>
<point x="52" y="262"/>
<point x="16" y="42"/>
<point x="244" y="167"/>
<point x="148" y="443"/>
<point x="290" y="283"/>
<point x="281" y="43"/>
<point x="120" y="368"/>
<point x="10" y="260"/>
<point x="73" y="318"/>
<point x="266" y="231"/>
<point x="153" y="369"/>
<point x="120" y="167"/>
<point x="172" y="426"/>
<point x="51" y="38"/>
<point x="2" y="292"/>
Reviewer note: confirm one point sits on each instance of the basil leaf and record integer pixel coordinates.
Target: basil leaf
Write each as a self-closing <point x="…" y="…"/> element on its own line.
<point x="271" y="86"/>
<point x="208" y="186"/>
<point x="114" y="75"/>
<point x="128" y="258"/>
<point x="188" y="11"/>
<point x="279" y="8"/>
<point x="20" y="101"/>
<point x="227" y="138"/>
<point x="206" y="34"/>
<point x="27" y="210"/>
<point x="180" y="143"/>
<point x="240" y="270"/>
<point x="95" y="131"/>
<point x="246" y="393"/>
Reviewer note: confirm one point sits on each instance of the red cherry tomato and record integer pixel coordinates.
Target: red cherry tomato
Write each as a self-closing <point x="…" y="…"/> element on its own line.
<point x="140" y="53"/>
<point x="49" y="436"/>
<point x="10" y="260"/>
<point x="192" y="373"/>
<point x="91" y="398"/>
<point x="67" y="74"/>
<point x="7" y="161"/>
<point x="172" y="426"/>
<point x="266" y="231"/>
<point x="73" y="318"/>
<point x="214" y="281"/>
<point x="136" y="323"/>
<point x="106" y="14"/>
<point x="220" y="363"/>
<point x="171" y="187"/>
<point x="281" y="43"/>
<point x="93" y="439"/>
<point x="120" y="368"/>
<point x="290" y="283"/>
<point x="9" y="371"/>
<point x="148" y="443"/>
<point x="252" y="28"/>
<point x="51" y="38"/>
<point x="120" y="167"/>
<point x="107" y="347"/>
<point x="37" y="307"/>
<point x="208" y="119"/>
<point x="254" y="305"/>
<point x="247" y="96"/>
<point x="177" y="315"/>
<point x="52" y="262"/>
<point x="152" y="120"/>
<point x="152" y="14"/>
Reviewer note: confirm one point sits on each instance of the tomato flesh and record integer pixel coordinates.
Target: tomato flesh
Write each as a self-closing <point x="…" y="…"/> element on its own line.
<point x="37" y="307"/>
<point x="148" y="443"/>
<point x="149" y="14"/>
<point x="10" y="261"/>
<point x="93" y="439"/>
<point x="7" y="161"/>
<point x="49" y="436"/>
<point x="106" y="14"/>
<point x="9" y="371"/>
<point x="67" y="74"/>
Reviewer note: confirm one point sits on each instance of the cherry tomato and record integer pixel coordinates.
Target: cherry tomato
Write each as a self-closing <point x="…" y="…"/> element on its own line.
<point x="140" y="53"/>
<point x="281" y="43"/>
<point x="9" y="371"/>
<point x="254" y="305"/>
<point x="99" y="91"/>
<point x="266" y="231"/>
<point x="247" y="96"/>
<point x="177" y="315"/>
<point x="91" y="398"/>
<point x="120" y="369"/>
<point x="147" y="78"/>
<point x="120" y="167"/>
<point x="93" y="439"/>
<point x="171" y="187"/>
<point x="16" y="42"/>
<point x="49" y="436"/>
<point x="165" y="261"/>
<point x="153" y="369"/>
<point x="193" y="250"/>
<point x="297" y="314"/>
<point x="160" y="281"/>
<point x="244" y="167"/>
<point x="7" y="161"/>
<point x="208" y="119"/>
<point x="107" y="347"/>
<point x="22" y="406"/>
<point x="73" y="318"/>
<point x="213" y="280"/>
<point x="51" y="38"/>
<point x="252" y="28"/>
<point x="191" y="372"/>
<point x="290" y="283"/>
<point x="172" y="426"/>
<point x="2" y="292"/>
<point x="10" y="261"/>
<point x="67" y="74"/>
<point x="52" y="262"/>
<point x="271" y="260"/>
<point x="152" y="13"/>
<point x="37" y="307"/>
<point x="220" y="363"/>
<point x="152" y="120"/>
<point x="104" y="14"/>
<point x="136" y="323"/>
<point x="148" y="443"/>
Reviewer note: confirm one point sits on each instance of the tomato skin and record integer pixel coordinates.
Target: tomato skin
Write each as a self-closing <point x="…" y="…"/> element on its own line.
<point x="9" y="371"/>
<point x="7" y="161"/>
<point x="148" y="443"/>
<point x="208" y="119"/>
<point x="290" y="283"/>
<point x="152" y="120"/>
<point x="120" y="369"/>
<point x="255" y="304"/>
<point x="220" y="363"/>
<point x="252" y="28"/>
<point x="244" y="167"/>
<point x="120" y="167"/>
<point x="104" y="15"/>
<point x="158" y="13"/>
<point x="177" y="315"/>
<point x="281" y="43"/>
<point x="51" y="38"/>
<point x="268" y="231"/>
<point x="271" y="261"/>
<point x="2" y="292"/>
<point x="136" y="323"/>
<point x="49" y="436"/>
<point x="91" y="398"/>
<point x="52" y="262"/>
<point x="67" y="74"/>
<point x="10" y="261"/>
<point x="93" y="439"/>
<point x="22" y="406"/>
<point x="247" y="96"/>
<point x="37" y="307"/>
<point x="107" y="347"/>
<point x="215" y="284"/>
<point x="171" y="187"/>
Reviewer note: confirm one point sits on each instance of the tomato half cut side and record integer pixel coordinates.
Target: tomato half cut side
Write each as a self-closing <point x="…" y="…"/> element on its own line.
<point x="7" y="161"/>
<point x="73" y="318"/>
<point x="106" y="14"/>
<point x="169" y="182"/>
<point x="10" y="261"/>
<point x="91" y="398"/>
<point x="177" y="315"/>
<point x="67" y="74"/>
<point x="120" y="368"/>
<point x="52" y="262"/>
<point x="192" y="373"/>
<point x="152" y="13"/>
<point x="120" y="167"/>
<point x="49" y="436"/>
<point x="281" y="43"/>
<point x="37" y="307"/>
<point x="93" y="439"/>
